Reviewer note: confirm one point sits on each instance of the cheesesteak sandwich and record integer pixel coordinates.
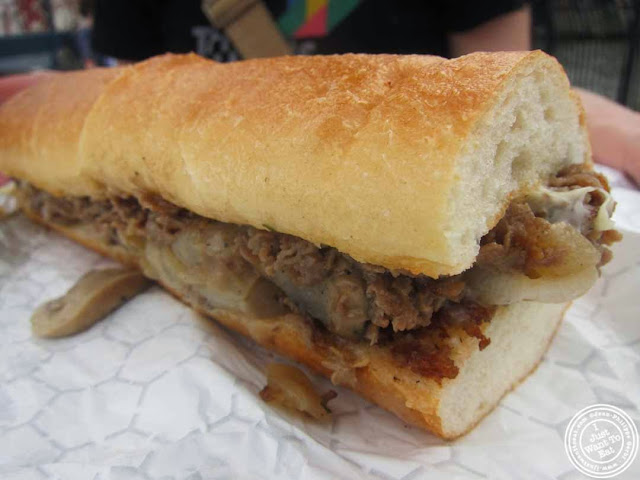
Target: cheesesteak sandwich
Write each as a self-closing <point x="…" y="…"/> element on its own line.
<point x="409" y="226"/>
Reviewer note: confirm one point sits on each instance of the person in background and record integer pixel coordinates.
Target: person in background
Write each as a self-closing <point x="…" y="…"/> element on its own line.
<point x="89" y="56"/>
<point x="132" y="30"/>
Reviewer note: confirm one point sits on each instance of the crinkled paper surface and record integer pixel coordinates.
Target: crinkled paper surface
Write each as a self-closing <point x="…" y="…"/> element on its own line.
<point x="157" y="392"/>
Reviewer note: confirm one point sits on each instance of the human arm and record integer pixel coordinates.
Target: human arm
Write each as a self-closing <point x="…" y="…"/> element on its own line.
<point x="12" y="84"/>
<point x="509" y="31"/>
<point x="615" y="133"/>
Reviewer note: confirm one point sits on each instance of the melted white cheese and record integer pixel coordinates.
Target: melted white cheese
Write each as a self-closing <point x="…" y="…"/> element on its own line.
<point x="569" y="206"/>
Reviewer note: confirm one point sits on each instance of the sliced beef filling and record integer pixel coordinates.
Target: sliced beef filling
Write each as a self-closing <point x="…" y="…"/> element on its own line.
<point x="352" y="299"/>
<point x="524" y="240"/>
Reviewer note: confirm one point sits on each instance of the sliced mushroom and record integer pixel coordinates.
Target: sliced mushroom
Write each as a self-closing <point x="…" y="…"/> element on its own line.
<point x="289" y="387"/>
<point x="94" y="296"/>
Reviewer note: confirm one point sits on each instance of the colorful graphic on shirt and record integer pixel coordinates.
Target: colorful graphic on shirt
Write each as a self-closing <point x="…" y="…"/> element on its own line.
<point x="314" y="18"/>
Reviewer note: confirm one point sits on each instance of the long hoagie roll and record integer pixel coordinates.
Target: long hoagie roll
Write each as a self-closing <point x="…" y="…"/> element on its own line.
<point x="409" y="226"/>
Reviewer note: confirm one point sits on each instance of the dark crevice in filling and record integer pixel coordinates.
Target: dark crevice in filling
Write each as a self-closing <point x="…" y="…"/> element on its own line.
<point x="356" y="301"/>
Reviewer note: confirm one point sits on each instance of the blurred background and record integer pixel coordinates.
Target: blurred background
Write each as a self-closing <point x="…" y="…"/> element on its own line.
<point x="597" y="41"/>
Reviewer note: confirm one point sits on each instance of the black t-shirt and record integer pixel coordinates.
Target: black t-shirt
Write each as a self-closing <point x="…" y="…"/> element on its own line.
<point x="138" y="29"/>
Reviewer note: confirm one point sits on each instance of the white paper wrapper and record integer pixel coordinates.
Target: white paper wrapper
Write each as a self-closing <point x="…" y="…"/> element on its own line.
<point x="157" y="392"/>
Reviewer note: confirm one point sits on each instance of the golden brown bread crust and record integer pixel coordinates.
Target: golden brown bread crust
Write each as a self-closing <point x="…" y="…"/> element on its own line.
<point x="40" y="128"/>
<point x="380" y="379"/>
<point x="357" y="152"/>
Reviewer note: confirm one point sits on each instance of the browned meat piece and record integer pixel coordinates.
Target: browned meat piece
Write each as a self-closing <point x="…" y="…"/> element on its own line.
<point x="575" y="176"/>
